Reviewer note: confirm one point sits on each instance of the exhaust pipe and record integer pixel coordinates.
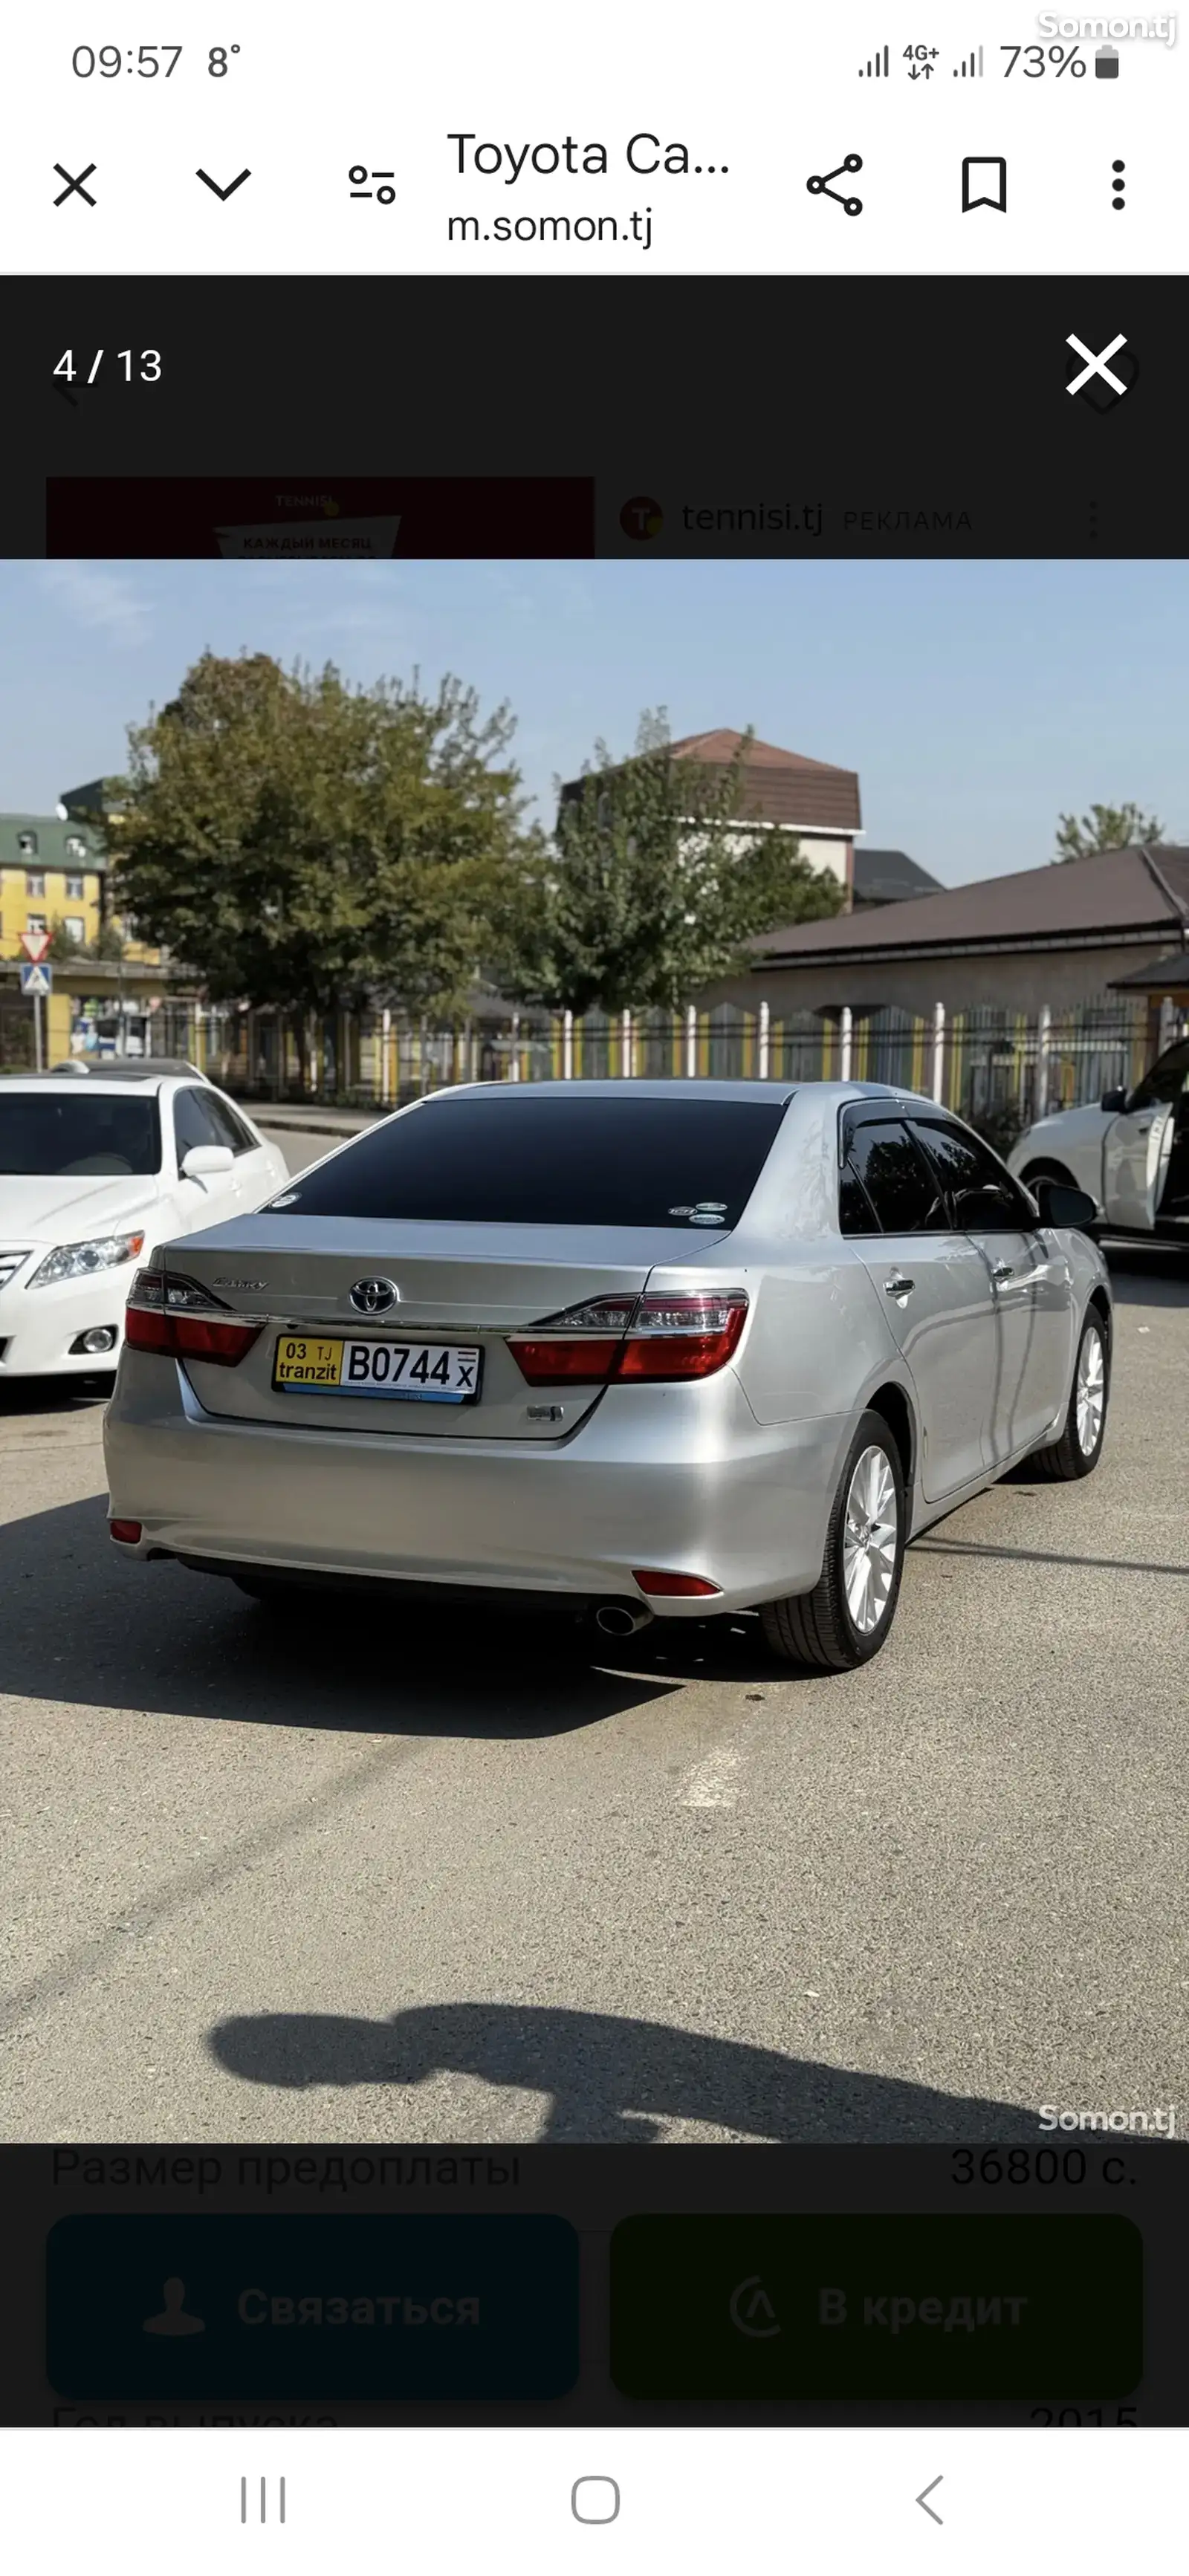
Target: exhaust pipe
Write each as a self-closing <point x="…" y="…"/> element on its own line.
<point x="621" y="1618"/>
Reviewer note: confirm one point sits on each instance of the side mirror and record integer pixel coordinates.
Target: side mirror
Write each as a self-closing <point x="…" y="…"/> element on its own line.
<point x="204" y="1161"/>
<point x="1061" y="1204"/>
<point x="1116" y="1098"/>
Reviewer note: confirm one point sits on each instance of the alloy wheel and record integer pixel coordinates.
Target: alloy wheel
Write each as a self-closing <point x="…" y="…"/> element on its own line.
<point x="869" y="1539"/>
<point x="1090" y="1392"/>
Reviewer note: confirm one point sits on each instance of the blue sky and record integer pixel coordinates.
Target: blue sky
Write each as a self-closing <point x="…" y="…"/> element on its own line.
<point x="976" y="701"/>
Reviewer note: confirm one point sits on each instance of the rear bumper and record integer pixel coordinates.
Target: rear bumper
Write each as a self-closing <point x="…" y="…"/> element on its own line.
<point x="681" y="1478"/>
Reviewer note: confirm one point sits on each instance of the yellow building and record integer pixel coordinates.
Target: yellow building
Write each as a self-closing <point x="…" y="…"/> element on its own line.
<point x="54" y="873"/>
<point x="87" y="813"/>
<point x="55" y="876"/>
<point x="51" y="870"/>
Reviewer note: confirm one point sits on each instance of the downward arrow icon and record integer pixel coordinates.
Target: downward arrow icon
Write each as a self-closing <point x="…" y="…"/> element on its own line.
<point x="216" y="190"/>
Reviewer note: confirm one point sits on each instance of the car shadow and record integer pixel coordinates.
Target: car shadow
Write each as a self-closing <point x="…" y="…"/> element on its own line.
<point x="1144" y="1274"/>
<point x="608" y="2079"/>
<point x="58" y="1397"/>
<point x="80" y="1623"/>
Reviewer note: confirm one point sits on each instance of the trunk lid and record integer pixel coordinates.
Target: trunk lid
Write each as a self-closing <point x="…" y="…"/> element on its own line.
<point x="470" y="1284"/>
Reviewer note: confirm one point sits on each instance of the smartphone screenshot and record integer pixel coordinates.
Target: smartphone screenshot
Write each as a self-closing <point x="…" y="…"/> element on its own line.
<point x="594" y="1286"/>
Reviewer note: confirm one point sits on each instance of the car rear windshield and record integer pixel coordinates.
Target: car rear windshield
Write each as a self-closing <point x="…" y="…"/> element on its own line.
<point x="44" y="1132"/>
<point x="494" y="1159"/>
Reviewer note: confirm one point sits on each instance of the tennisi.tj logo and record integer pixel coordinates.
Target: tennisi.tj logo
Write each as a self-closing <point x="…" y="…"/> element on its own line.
<point x="641" y="518"/>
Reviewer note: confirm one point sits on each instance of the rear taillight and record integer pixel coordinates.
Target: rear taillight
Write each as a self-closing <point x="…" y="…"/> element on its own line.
<point x="180" y="1319"/>
<point x="580" y="1345"/>
<point x="549" y="1363"/>
<point x="678" y="1337"/>
<point x="658" y="1337"/>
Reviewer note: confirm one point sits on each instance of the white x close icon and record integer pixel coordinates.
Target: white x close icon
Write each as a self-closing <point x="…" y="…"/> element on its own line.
<point x="1096" y="366"/>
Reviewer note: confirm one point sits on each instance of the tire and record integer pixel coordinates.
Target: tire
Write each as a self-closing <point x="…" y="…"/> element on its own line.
<point x="820" y="1629"/>
<point x="1072" y="1456"/>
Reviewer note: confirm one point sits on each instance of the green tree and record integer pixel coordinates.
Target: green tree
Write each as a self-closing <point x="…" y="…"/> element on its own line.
<point x="1105" y="827"/>
<point x="61" y="946"/>
<point x="300" y="842"/>
<point x="107" y="943"/>
<point x="654" y="884"/>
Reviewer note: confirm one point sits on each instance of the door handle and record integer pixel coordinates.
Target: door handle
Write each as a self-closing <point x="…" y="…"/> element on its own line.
<point x="898" y="1285"/>
<point x="1002" y="1270"/>
<point x="1142" y="1125"/>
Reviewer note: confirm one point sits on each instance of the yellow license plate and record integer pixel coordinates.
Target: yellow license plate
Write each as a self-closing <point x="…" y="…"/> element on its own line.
<point x="410" y="1372"/>
<point x="308" y="1363"/>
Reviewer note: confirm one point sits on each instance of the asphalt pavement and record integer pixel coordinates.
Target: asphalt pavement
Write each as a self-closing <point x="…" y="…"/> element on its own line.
<point x="385" y="1877"/>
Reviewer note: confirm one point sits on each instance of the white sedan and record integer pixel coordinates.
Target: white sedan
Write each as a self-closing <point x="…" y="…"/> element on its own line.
<point x="1130" y="1151"/>
<point x="93" y="1175"/>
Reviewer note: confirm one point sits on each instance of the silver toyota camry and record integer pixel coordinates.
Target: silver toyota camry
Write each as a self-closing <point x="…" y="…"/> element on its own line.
<point x="636" y="1349"/>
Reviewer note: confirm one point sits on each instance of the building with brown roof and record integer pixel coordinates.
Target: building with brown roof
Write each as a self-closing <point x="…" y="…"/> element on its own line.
<point x="889" y="876"/>
<point x="1056" y="934"/>
<point x="784" y="790"/>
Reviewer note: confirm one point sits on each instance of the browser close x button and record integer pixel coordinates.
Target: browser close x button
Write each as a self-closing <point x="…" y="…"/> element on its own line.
<point x="876" y="2307"/>
<point x="321" y="2306"/>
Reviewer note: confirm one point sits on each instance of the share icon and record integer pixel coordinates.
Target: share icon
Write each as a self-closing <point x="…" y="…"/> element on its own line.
<point x="820" y="187"/>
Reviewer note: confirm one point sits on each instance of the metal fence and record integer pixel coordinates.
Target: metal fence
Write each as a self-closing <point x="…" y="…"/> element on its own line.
<point x="1006" y="1068"/>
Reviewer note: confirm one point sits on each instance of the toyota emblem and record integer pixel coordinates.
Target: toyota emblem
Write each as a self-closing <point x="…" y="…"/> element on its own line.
<point x="375" y="1296"/>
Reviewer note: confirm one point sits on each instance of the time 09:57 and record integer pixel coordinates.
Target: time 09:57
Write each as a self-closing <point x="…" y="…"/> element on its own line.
<point x="146" y="60"/>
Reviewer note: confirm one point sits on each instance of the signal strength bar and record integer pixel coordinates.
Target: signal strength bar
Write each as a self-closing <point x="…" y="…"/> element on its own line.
<point x="971" y="65"/>
<point x="877" y="68"/>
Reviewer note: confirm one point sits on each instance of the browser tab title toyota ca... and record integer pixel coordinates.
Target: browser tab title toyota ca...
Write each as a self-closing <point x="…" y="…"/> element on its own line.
<point x="647" y="155"/>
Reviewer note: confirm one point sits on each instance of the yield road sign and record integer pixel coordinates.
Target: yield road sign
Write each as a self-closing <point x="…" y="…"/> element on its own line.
<point x="37" y="980"/>
<point x="35" y="944"/>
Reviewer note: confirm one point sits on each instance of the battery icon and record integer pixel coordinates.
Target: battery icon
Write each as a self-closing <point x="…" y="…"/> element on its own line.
<point x="1106" y="63"/>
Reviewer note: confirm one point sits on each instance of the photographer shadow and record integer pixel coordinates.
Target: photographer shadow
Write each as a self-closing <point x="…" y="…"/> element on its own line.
<point x="607" y="2078"/>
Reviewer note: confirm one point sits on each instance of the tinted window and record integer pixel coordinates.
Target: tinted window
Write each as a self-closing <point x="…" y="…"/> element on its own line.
<point x="192" y="1122"/>
<point x="1168" y="1078"/>
<point x="498" y="1159"/>
<point x="65" y="1134"/>
<point x="855" y="1212"/>
<point x="229" y="1130"/>
<point x="980" y="1192"/>
<point x="897" y="1179"/>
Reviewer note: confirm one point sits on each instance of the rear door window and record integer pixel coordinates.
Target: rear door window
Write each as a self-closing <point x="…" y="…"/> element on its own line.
<point x="500" y="1158"/>
<point x="895" y="1180"/>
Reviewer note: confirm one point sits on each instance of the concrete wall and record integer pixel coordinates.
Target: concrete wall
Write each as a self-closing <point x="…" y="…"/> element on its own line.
<point x="1060" y="977"/>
